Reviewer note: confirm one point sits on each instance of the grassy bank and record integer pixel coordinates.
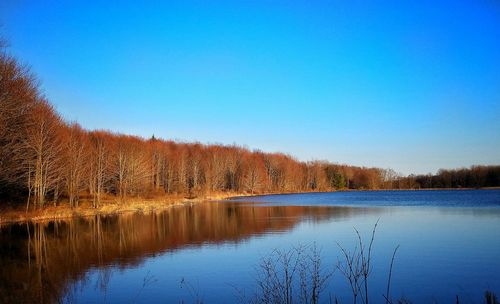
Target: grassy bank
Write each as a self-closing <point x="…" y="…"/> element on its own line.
<point x="112" y="205"/>
<point x="109" y="206"/>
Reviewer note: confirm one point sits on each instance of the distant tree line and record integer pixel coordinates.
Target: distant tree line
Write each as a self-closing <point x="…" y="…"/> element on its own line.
<point x="46" y="159"/>
<point x="473" y="177"/>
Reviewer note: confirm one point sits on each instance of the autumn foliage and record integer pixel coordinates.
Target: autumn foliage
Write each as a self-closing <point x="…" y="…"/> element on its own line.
<point x="46" y="159"/>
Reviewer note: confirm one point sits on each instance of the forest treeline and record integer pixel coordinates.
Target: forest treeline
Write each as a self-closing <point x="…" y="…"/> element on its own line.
<point x="44" y="158"/>
<point x="473" y="177"/>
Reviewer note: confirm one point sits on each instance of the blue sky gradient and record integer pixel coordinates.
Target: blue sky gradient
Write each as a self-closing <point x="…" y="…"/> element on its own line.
<point x="411" y="86"/>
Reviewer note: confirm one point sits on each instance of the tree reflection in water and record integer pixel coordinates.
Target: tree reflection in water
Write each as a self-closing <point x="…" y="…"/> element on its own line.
<point x="41" y="261"/>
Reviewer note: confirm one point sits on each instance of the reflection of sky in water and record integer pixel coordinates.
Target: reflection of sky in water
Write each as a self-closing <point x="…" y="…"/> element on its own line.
<point x="444" y="252"/>
<point x="443" y="198"/>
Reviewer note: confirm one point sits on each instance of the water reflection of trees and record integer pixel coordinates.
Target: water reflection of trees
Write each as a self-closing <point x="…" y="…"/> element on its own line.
<point x="40" y="261"/>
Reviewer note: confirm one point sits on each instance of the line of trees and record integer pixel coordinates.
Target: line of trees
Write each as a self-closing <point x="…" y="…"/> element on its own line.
<point x="473" y="177"/>
<point x="46" y="159"/>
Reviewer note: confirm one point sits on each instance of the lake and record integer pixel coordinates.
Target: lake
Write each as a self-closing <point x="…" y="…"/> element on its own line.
<point x="449" y="245"/>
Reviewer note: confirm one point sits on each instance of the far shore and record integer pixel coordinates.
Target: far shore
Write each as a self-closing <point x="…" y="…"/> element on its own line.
<point x="114" y="206"/>
<point x="361" y="190"/>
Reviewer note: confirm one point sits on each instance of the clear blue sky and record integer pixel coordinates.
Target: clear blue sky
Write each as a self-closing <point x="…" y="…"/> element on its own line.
<point x="411" y="85"/>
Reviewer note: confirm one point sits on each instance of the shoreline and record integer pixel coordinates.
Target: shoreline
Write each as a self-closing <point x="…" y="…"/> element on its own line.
<point x="111" y="207"/>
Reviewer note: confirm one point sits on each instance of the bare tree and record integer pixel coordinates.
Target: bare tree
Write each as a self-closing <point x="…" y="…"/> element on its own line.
<point x="215" y="168"/>
<point x="18" y="96"/>
<point x="99" y="166"/>
<point x="254" y="173"/>
<point x="41" y="153"/>
<point x="75" y="155"/>
<point x="130" y="169"/>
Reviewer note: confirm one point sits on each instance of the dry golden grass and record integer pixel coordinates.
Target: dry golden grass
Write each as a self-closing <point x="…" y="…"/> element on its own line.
<point x="110" y="205"/>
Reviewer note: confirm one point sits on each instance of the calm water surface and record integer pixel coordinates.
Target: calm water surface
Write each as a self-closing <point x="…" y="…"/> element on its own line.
<point x="449" y="245"/>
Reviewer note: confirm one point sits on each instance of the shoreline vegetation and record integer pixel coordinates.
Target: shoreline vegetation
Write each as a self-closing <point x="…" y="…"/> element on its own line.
<point x="111" y="206"/>
<point x="52" y="168"/>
